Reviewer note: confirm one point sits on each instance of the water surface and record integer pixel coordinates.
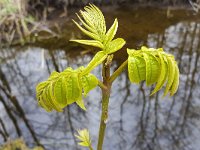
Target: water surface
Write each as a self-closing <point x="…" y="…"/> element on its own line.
<point x="136" y="120"/>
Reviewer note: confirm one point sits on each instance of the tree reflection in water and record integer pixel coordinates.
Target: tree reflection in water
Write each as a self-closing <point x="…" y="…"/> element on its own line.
<point x="136" y="121"/>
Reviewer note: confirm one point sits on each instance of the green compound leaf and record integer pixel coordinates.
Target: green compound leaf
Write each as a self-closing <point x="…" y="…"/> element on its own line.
<point x="94" y="22"/>
<point x="62" y="89"/>
<point x="88" y="33"/>
<point x="94" y="26"/>
<point x="154" y="66"/>
<point x="45" y="94"/>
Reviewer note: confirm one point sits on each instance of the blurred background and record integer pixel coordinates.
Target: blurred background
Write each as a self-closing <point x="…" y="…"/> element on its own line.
<point x="34" y="41"/>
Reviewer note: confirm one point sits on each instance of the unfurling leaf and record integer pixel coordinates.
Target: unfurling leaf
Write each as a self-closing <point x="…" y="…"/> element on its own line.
<point x="171" y="75"/>
<point x="90" y="42"/>
<point x="97" y="59"/>
<point x="62" y="89"/>
<point x="94" y="22"/>
<point x="136" y="67"/>
<point x="114" y="45"/>
<point x="163" y="74"/>
<point x="154" y="66"/>
<point x="111" y="32"/>
<point x="94" y="26"/>
<point x="175" y="83"/>
<point x="84" y="138"/>
<point x="88" y="33"/>
<point x="88" y="82"/>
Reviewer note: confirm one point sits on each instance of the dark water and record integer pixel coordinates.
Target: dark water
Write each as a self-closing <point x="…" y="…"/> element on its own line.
<point x="136" y="121"/>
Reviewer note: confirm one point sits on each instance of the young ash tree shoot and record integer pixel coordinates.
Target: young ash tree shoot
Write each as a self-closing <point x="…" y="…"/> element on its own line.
<point x="64" y="88"/>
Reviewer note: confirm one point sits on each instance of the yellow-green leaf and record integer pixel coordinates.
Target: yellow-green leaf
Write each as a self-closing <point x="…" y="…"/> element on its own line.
<point x="171" y="74"/>
<point x="89" y="82"/>
<point x="58" y="107"/>
<point x="59" y="92"/>
<point x="111" y="32"/>
<point x="97" y="59"/>
<point x="88" y="33"/>
<point x="41" y="95"/>
<point x="81" y="104"/>
<point x="114" y="45"/>
<point x="48" y="99"/>
<point x="74" y="90"/>
<point x="45" y="102"/>
<point x="94" y="26"/>
<point x="84" y="137"/>
<point x="162" y="76"/>
<point x="175" y="84"/>
<point x="39" y="88"/>
<point x="87" y="26"/>
<point x="134" y="75"/>
<point x="62" y="89"/>
<point x="148" y="68"/>
<point x="42" y="104"/>
<point x="94" y="22"/>
<point x="90" y="42"/>
<point x="136" y="67"/>
<point x="154" y="66"/>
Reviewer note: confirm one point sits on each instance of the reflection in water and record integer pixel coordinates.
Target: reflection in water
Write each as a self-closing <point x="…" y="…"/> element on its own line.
<point x="136" y="120"/>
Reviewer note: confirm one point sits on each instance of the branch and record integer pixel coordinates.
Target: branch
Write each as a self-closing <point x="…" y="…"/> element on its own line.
<point x="101" y="85"/>
<point x="105" y="101"/>
<point x="118" y="71"/>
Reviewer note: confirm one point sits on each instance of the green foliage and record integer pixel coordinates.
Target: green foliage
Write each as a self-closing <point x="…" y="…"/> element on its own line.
<point x="97" y="59"/>
<point x="154" y="66"/>
<point x="62" y="89"/>
<point x="84" y="138"/>
<point x="95" y="27"/>
<point x="149" y="64"/>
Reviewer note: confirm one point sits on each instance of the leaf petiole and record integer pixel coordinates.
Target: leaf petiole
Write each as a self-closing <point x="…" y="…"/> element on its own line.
<point x="118" y="71"/>
<point x="101" y="85"/>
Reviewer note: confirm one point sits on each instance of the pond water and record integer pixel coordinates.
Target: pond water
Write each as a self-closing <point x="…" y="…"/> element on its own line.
<point x="136" y="120"/>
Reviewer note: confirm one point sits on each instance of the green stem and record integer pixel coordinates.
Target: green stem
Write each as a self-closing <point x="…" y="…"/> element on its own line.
<point x="118" y="71"/>
<point x="105" y="102"/>
<point x="101" y="85"/>
<point x="90" y="147"/>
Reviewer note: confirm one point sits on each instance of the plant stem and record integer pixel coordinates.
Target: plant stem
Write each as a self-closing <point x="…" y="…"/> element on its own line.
<point x="90" y="147"/>
<point x="105" y="101"/>
<point x="118" y="71"/>
<point x="101" y="85"/>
